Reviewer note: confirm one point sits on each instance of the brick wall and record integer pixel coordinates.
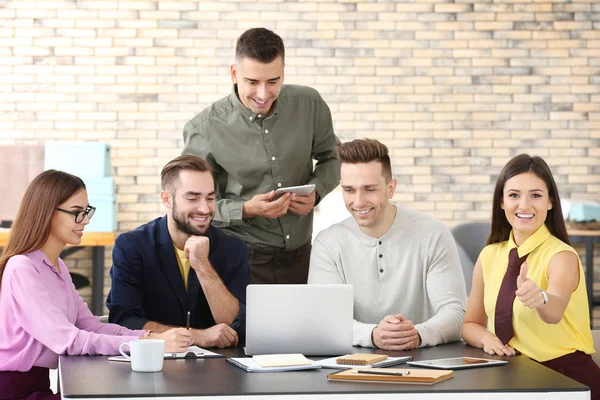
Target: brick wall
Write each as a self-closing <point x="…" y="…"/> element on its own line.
<point x="454" y="89"/>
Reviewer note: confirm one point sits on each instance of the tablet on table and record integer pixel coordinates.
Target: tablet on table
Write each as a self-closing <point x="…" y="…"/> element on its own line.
<point x="458" y="363"/>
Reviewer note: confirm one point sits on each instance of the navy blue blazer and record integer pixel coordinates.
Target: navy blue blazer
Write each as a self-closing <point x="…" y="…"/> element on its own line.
<point x="147" y="283"/>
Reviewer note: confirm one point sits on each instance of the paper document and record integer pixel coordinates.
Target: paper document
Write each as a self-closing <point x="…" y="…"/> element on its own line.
<point x="388" y="362"/>
<point x="191" y="352"/>
<point x="249" y="365"/>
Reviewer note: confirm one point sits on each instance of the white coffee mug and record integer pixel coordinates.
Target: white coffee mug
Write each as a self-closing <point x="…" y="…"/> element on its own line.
<point x="146" y="354"/>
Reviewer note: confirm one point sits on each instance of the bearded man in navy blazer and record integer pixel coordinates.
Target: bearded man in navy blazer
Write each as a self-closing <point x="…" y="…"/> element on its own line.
<point x="179" y="264"/>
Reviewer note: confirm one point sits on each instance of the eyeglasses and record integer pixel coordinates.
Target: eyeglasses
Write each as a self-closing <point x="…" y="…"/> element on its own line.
<point x="80" y="215"/>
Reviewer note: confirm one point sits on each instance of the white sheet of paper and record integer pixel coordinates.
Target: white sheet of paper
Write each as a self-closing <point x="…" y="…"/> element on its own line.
<point x="249" y="365"/>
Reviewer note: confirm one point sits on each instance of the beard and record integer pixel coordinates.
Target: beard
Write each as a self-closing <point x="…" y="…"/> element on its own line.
<point x="182" y="222"/>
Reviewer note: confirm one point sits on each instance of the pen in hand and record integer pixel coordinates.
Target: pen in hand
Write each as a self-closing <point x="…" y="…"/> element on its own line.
<point x="187" y="326"/>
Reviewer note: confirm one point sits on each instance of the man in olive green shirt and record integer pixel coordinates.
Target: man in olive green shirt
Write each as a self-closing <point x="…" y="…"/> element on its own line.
<point x="261" y="137"/>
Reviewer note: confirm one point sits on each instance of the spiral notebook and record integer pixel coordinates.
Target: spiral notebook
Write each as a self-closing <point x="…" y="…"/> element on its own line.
<point x="388" y="362"/>
<point x="361" y="359"/>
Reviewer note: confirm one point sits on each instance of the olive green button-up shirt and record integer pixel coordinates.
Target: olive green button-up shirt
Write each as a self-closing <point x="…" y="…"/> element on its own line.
<point x="251" y="154"/>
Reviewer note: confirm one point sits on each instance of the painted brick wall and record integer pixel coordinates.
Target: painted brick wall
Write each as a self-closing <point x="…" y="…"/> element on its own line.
<point x="453" y="88"/>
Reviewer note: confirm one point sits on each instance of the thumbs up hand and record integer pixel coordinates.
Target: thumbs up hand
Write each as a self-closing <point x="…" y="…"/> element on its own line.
<point x="528" y="292"/>
<point x="522" y="276"/>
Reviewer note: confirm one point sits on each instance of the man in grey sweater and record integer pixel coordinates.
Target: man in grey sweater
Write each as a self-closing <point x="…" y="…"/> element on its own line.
<point x="409" y="289"/>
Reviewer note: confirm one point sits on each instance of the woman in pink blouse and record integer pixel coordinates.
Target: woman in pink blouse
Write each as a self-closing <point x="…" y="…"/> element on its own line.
<point x="41" y="313"/>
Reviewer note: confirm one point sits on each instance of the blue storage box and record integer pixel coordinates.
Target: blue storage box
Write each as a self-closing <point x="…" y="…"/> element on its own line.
<point x="99" y="186"/>
<point x="105" y="217"/>
<point x="584" y="212"/>
<point x="78" y="158"/>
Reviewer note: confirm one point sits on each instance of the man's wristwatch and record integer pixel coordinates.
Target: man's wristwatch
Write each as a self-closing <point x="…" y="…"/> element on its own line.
<point x="545" y="296"/>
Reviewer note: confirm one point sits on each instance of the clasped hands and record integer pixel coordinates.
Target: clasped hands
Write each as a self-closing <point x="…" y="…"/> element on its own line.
<point x="395" y="333"/>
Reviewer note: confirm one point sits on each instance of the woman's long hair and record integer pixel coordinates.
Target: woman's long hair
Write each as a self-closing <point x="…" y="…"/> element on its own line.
<point x="31" y="227"/>
<point x="521" y="164"/>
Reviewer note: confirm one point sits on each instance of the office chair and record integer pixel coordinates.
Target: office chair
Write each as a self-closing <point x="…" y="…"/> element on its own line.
<point x="470" y="239"/>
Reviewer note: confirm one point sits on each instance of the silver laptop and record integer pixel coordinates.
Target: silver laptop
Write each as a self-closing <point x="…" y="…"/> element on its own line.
<point x="313" y="320"/>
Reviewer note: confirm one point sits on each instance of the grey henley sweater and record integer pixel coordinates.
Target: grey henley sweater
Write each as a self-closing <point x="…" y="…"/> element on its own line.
<point x="412" y="269"/>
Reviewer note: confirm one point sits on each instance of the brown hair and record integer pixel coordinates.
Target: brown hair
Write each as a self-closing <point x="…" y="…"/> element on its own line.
<point x="518" y="165"/>
<point x="365" y="151"/>
<point x="260" y="44"/>
<point x="31" y="227"/>
<point x="169" y="175"/>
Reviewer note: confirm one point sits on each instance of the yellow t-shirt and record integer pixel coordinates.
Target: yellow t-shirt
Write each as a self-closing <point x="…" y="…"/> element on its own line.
<point x="184" y="265"/>
<point x="533" y="337"/>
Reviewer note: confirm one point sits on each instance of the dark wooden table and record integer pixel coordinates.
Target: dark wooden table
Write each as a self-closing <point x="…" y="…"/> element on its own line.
<point x="98" y="378"/>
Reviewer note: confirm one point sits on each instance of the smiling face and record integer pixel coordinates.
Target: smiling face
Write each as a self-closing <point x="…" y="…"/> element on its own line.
<point x="526" y="202"/>
<point x="367" y="195"/>
<point x="258" y="84"/>
<point x="192" y="205"/>
<point x="64" y="229"/>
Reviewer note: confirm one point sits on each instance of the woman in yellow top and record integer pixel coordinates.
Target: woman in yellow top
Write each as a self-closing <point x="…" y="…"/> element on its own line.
<point x="528" y="291"/>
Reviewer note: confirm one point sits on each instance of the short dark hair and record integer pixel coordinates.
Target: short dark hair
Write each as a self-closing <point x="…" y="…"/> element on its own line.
<point x="169" y="175"/>
<point x="365" y="151"/>
<point x="518" y="165"/>
<point x="260" y="44"/>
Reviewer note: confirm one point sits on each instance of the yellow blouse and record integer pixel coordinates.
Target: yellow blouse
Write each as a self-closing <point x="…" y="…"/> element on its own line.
<point x="533" y="337"/>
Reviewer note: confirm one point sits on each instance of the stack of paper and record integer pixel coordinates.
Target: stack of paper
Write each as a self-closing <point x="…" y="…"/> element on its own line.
<point x="281" y="360"/>
<point x="274" y="363"/>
